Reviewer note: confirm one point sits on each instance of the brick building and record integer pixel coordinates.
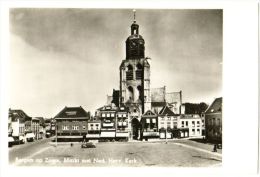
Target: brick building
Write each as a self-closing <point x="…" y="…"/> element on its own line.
<point x="71" y="123"/>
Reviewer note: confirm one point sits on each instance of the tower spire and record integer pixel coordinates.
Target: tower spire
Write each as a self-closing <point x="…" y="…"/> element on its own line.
<point x="134" y="15"/>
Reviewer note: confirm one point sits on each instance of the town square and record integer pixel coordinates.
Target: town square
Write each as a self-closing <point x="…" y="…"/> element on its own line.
<point x="142" y="121"/>
<point x="177" y="153"/>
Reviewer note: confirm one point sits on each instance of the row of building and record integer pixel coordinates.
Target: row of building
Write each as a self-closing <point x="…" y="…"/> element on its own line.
<point x="115" y="123"/>
<point x="23" y="128"/>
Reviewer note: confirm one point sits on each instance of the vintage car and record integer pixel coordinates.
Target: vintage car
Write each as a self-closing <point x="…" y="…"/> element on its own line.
<point x="88" y="145"/>
<point x="10" y="141"/>
<point x="29" y="136"/>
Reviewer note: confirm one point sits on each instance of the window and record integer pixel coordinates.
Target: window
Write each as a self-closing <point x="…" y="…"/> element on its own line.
<point x="198" y="123"/>
<point x="84" y="127"/>
<point x="140" y="95"/>
<point x="119" y="115"/>
<point x="168" y="124"/>
<point x="154" y="120"/>
<point x="131" y="93"/>
<point x="108" y="107"/>
<point x="103" y="115"/>
<point x="174" y="124"/>
<point x="169" y="118"/>
<point x="71" y="113"/>
<point x="213" y="121"/>
<point x="129" y="73"/>
<point x="187" y="123"/>
<point x="182" y="123"/>
<point x="65" y="127"/>
<point x="148" y="121"/>
<point x="75" y="127"/>
<point x="112" y="114"/>
<point x="124" y="115"/>
<point x="108" y="115"/>
<point x="193" y="131"/>
<point x="198" y="131"/>
<point x="193" y="123"/>
<point x="138" y="71"/>
<point x="97" y="126"/>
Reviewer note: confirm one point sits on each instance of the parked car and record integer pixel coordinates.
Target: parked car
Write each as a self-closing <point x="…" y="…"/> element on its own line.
<point x="10" y="141"/>
<point x="19" y="139"/>
<point x="88" y="145"/>
<point x="29" y="136"/>
<point x="48" y="134"/>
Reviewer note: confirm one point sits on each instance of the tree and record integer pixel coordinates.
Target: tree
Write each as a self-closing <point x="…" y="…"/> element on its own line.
<point x="195" y="108"/>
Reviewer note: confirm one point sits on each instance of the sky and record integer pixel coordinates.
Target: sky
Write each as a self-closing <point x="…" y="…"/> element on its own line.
<point x="71" y="57"/>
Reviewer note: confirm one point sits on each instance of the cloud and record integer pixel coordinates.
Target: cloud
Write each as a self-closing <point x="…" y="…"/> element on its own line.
<point x="71" y="56"/>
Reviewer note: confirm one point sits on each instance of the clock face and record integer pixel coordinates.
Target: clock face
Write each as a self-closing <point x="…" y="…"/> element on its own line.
<point x="133" y="44"/>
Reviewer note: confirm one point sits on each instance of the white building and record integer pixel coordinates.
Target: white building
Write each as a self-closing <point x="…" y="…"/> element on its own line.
<point x="193" y="122"/>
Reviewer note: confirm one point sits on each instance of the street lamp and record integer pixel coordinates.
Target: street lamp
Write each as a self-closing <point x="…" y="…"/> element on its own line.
<point x="165" y="130"/>
<point x="56" y="136"/>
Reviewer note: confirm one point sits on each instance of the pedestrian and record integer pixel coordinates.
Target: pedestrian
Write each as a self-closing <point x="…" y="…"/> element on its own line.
<point x="71" y="144"/>
<point x="215" y="148"/>
<point x="84" y="138"/>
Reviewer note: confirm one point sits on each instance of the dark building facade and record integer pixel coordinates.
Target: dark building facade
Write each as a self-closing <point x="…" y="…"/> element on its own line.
<point x="213" y="121"/>
<point x="71" y="123"/>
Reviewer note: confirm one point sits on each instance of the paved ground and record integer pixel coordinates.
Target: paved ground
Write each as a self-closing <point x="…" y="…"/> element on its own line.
<point x="179" y="153"/>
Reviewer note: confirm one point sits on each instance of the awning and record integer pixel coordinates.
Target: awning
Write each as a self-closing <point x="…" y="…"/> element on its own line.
<point x="150" y="133"/>
<point x="122" y="134"/>
<point x="108" y="124"/>
<point x="108" y="134"/>
<point x="92" y="135"/>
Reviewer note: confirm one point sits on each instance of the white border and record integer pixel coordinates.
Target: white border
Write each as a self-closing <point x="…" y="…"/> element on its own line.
<point x="240" y="94"/>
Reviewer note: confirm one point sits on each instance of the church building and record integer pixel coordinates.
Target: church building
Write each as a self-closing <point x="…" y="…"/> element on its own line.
<point x="135" y="93"/>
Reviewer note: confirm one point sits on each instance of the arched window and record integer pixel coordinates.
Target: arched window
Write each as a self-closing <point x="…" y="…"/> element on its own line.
<point x="140" y="93"/>
<point x="138" y="71"/>
<point x="131" y="93"/>
<point x="129" y="73"/>
<point x="139" y="66"/>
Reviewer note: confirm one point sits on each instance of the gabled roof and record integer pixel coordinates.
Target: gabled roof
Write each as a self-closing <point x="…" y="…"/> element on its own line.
<point x="18" y="114"/>
<point x="149" y="113"/>
<point x="41" y="119"/>
<point x="166" y="111"/>
<point x="216" y="106"/>
<point x="107" y="108"/>
<point x="72" y="112"/>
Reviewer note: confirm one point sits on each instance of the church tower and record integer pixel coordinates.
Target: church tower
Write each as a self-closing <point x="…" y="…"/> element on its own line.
<point x="135" y="75"/>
